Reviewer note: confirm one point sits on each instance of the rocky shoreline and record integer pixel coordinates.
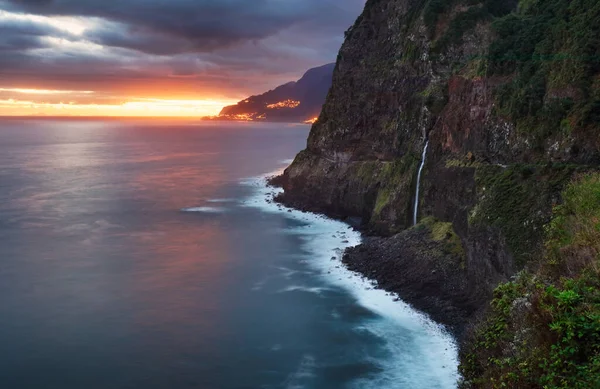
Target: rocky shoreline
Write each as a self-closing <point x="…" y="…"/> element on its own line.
<point x="505" y="140"/>
<point x="421" y="269"/>
<point x="415" y="268"/>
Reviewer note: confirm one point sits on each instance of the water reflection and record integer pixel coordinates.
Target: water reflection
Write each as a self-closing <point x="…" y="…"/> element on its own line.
<point x="105" y="283"/>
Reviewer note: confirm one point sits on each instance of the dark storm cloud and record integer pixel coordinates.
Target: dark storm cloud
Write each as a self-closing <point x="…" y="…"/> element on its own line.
<point x="17" y="35"/>
<point x="192" y="25"/>
<point x="237" y="45"/>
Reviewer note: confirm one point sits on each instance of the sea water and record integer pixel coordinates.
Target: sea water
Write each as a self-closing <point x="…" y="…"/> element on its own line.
<point x="148" y="254"/>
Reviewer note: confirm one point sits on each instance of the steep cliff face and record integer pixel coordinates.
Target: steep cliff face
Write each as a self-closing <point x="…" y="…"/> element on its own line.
<point x="506" y="92"/>
<point x="409" y="71"/>
<point x="542" y="328"/>
<point x="363" y="151"/>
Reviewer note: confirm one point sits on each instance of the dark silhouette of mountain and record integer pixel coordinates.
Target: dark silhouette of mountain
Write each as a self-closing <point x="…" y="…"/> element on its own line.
<point x="298" y="101"/>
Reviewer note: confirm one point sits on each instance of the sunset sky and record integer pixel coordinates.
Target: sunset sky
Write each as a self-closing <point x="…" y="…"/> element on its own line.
<point x="159" y="57"/>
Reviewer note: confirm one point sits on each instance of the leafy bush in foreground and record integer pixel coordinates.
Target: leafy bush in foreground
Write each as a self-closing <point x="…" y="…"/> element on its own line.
<point x="543" y="329"/>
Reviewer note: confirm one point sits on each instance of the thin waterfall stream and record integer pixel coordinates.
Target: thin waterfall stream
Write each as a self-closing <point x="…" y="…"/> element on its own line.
<point x="415" y="215"/>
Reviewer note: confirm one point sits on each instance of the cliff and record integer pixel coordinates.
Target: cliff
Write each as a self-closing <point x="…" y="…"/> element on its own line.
<point x="298" y="101"/>
<point x="507" y="93"/>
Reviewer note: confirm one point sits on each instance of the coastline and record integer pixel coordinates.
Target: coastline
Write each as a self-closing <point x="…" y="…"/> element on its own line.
<point x="331" y="258"/>
<point x="410" y="265"/>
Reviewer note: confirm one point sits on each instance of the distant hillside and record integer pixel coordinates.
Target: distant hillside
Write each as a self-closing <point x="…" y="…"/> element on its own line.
<point x="299" y="101"/>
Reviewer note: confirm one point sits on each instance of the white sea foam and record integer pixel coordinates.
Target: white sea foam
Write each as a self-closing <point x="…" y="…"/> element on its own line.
<point x="308" y="289"/>
<point x="304" y="373"/>
<point x="289" y="273"/>
<point x="422" y="353"/>
<point x="258" y="285"/>
<point x="276" y="347"/>
<point x="204" y="209"/>
<point x="221" y="200"/>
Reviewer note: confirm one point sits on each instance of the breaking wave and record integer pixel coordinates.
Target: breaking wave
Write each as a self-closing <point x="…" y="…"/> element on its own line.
<point x="421" y="353"/>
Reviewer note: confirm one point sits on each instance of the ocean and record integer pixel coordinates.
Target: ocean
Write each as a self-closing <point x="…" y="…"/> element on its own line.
<point x="146" y="254"/>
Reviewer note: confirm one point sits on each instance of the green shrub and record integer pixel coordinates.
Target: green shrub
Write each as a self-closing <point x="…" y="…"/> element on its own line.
<point x="444" y="232"/>
<point x="543" y="329"/>
<point x="475" y="12"/>
<point x="517" y="200"/>
<point x="544" y="47"/>
<point x="432" y="12"/>
<point x="548" y="45"/>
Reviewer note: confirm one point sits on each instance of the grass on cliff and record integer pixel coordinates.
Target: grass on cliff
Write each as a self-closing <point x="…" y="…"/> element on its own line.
<point x="548" y="52"/>
<point x="467" y="14"/>
<point x="517" y="200"/>
<point x="394" y="176"/>
<point x="543" y="329"/>
<point x="444" y="233"/>
<point x="551" y="50"/>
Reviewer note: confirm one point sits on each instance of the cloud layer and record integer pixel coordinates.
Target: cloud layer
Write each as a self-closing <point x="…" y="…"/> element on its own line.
<point x="175" y="48"/>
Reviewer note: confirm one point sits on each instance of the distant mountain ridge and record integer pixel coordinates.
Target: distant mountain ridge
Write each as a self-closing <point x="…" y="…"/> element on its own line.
<point x="298" y="101"/>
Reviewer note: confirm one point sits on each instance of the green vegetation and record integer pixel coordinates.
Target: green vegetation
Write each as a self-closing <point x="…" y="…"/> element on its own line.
<point x="394" y="176"/>
<point x="368" y="170"/>
<point x="543" y="63"/>
<point x="543" y="329"/>
<point x="383" y="199"/>
<point x="552" y="48"/>
<point x="460" y="24"/>
<point x="411" y="52"/>
<point x="435" y="97"/>
<point x="474" y="68"/>
<point x="468" y="14"/>
<point x="468" y="161"/>
<point x="548" y="49"/>
<point x="301" y="157"/>
<point x="517" y="201"/>
<point x="444" y="232"/>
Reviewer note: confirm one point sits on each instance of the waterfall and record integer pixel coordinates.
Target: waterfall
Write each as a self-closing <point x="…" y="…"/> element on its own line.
<point x="419" y="181"/>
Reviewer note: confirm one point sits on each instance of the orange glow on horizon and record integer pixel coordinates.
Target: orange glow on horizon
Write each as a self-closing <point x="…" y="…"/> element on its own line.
<point x="311" y="121"/>
<point x="134" y="107"/>
<point x="44" y="91"/>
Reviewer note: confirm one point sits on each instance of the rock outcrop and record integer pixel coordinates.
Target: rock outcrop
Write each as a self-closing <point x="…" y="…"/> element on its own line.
<point x="510" y="121"/>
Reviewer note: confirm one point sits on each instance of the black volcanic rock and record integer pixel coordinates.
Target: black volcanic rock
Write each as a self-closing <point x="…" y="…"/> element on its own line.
<point x="297" y="101"/>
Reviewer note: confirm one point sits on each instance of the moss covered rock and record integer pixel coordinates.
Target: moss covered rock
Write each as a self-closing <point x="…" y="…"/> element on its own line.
<point x="543" y="329"/>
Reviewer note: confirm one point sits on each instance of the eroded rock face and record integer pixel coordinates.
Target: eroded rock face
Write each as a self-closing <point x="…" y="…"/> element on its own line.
<point x="389" y="93"/>
<point x="398" y="81"/>
<point x="372" y="128"/>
